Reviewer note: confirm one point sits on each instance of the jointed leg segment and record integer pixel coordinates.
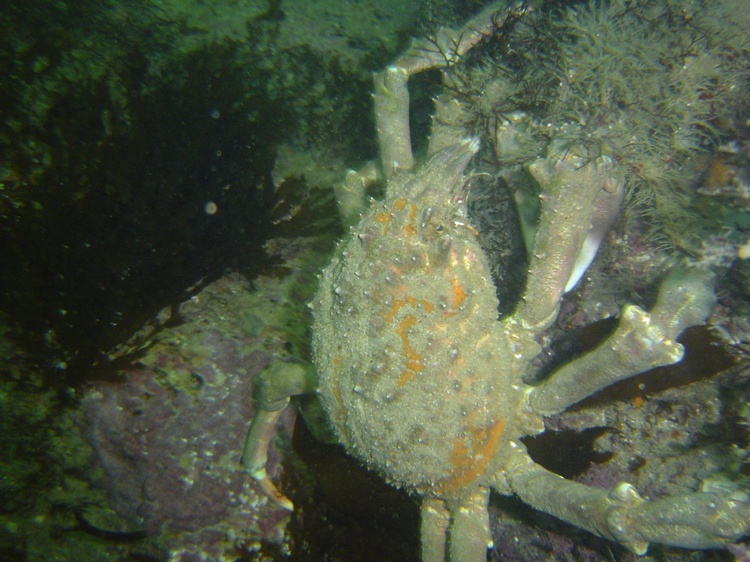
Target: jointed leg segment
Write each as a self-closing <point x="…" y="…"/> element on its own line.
<point x="277" y="383"/>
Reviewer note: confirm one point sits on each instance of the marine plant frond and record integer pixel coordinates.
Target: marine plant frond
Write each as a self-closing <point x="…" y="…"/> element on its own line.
<point x="296" y="209"/>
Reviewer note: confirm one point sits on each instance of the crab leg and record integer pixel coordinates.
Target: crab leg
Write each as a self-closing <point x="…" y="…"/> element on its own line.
<point x="255" y="453"/>
<point x="703" y="520"/>
<point x="459" y="527"/>
<point x="435" y="519"/>
<point x="391" y="97"/>
<point x="576" y="189"/>
<point x="470" y="535"/>
<point x="276" y="384"/>
<point x="642" y="341"/>
<point x="447" y="46"/>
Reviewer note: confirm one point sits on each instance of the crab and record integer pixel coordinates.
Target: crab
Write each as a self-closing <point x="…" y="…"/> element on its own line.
<point x="424" y="384"/>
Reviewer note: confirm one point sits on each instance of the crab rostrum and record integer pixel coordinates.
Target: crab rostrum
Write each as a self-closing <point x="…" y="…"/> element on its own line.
<point x="423" y="383"/>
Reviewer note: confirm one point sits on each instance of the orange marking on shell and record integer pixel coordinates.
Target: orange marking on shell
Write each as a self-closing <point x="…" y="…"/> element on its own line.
<point x="405" y="377"/>
<point x="383" y="217"/>
<point x="409" y="228"/>
<point x="411" y="301"/>
<point x="470" y="456"/>
<point x="414" y="362"/>
<point x="395" y="307"/>
<point x="457" y="292"/>
<point x="403" y="331"/>
<point x="427" y="305"/>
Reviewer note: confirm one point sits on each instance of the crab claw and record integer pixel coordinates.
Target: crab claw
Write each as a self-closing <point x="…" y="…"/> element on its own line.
<point x="280" y="380"/>
<point x="255" y="453"/>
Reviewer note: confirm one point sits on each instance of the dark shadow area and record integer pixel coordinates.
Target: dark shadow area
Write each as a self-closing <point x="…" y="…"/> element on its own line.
<point x="344" y="512"/>
<point x="705" y="357"/>
<point x="130" y="216"/>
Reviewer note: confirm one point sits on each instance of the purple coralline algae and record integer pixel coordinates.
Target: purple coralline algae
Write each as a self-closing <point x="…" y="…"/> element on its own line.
<point x="168" y="436"/>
